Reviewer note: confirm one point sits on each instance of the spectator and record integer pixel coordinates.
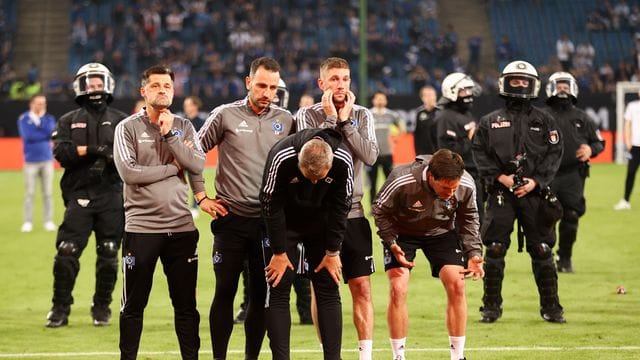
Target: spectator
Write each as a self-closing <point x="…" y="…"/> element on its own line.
<point x="35" y="127"/>
<point x="564" y="51"/>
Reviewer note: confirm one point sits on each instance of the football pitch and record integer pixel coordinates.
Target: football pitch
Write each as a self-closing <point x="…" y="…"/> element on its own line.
<point x="600" y="323"/>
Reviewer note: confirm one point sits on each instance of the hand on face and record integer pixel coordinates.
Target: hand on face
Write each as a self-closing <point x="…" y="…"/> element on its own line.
<point x="165" y="121"/>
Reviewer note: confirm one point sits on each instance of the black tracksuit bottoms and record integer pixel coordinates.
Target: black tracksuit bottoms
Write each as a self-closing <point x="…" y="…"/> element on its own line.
<point x="179" y="257"/>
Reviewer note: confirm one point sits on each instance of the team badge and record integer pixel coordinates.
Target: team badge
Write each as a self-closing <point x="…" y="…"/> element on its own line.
<point x="217" y="258"/>
<point x="277" y="127"/>
<point x="387" y="256"/>
<point x="554" y="137"/>
<point x="328" y="180"/>
<point x="129" y="261"/>
<point x="266" y="242"/>
<point x="176" y="132"/>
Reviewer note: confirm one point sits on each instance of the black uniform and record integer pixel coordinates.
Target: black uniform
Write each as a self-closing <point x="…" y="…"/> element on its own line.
<point x="518" y="129"/>
<point x="92" y="194"/>
<point x="424" y="135"/>
<point x="297" y="210"/>
<point x="577" y="129"/>
<point x="453" y="124"/>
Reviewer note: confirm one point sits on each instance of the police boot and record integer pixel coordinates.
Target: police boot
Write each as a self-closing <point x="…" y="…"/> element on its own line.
<point x="491" y="309"/>
<point x="58" y="316"/>
<point x="100" y="314"/>
<point x="546" y="277"/>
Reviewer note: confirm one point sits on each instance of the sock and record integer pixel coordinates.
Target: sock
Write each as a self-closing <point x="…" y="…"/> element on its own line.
<point x="365" y="348"/>
<point x="398" y="346"/>
<point x="457" y="347"/>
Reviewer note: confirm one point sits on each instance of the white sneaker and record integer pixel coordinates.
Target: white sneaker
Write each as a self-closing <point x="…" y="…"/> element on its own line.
<point x="50" y="226"/>
<point x="26" y="227"/>
<point x="622" y="205"/>
<point x="195" y="213"/>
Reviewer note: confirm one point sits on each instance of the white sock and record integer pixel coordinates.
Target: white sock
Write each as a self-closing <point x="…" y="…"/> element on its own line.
<point x="456" y="344"/>
<point x="365" y="348"/>
<point x="398" y="346"/>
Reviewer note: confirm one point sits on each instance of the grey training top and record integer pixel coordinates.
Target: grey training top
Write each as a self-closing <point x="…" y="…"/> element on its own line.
<point x="360" y="137"/>
<point x="244" y="140"/>
<point x="155" y="190"/>
<point x="383" y="121"/>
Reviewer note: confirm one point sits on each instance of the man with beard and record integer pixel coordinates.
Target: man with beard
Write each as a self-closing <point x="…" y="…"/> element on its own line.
<point x="582" y="141"/>
<point x="153" y="150"/>
<point x="338" y="111"/>
<point x="244" y="131"/>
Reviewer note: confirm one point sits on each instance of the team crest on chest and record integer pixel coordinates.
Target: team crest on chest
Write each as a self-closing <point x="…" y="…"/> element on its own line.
<point x="277" y="126"/>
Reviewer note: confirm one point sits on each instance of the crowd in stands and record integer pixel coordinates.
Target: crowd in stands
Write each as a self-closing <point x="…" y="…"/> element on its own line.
<point x="209" y="45"/>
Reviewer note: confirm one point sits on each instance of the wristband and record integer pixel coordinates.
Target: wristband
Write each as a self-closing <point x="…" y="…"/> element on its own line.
<point x="201" y="200"/>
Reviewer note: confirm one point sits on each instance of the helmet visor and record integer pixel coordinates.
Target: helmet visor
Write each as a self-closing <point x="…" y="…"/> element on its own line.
<point x="519" y="85"/>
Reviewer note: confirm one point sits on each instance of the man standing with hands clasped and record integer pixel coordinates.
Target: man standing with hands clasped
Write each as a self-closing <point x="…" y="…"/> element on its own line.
<point x="153" y="149"/>
<point x="430" y="205"/>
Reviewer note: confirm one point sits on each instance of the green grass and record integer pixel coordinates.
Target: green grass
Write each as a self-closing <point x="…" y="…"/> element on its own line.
<point x="601" y="324"/>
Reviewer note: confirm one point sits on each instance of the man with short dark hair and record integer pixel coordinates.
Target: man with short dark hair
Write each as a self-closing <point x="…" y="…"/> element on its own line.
<point x="153" y="149"/>
<point x="429" y="205"/>
<point x="305" y="197"/>
<point x="244" y="131"/>
<point x="338" y="111"/>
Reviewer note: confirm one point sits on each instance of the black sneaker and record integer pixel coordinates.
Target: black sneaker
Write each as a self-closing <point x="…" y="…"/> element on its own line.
<point x="100" y="314"/>
<point x="489" y="314"/>
<point x="553" y="315"/>
<point x="240" y="316"/>
<point x="564" y="265"/>
<point x="58" y="316"/>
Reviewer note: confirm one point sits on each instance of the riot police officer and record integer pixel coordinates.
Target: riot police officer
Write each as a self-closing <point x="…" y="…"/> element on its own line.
<point x="92" y="194"/>
<point x="456" y="126"/>
<point x="581" y="141"/>
<point x="518" y="151"/>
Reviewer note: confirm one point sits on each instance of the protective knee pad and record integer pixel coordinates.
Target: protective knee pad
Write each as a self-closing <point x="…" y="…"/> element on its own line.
<point x="496" y="250"/>
<point x="68" y="248"/>
<point x="108" y="249"/>
<point x="106" y="271"/>
<point x="541" y="251"/>
<point x="570" y="216"/>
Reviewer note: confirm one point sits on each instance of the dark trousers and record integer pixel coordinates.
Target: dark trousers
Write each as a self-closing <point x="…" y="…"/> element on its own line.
<point x="569" y="188"/>
<point x="237" y="239"/>
<point x="179" y="257"/>
<point x="104" y="215"/>
<point x="632" y="168"/>
<point x="384" y="161"/>
<point x="278" y="314"/>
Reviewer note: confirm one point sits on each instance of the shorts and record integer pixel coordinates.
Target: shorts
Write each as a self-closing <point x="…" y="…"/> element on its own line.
<point x="440" y="250"/>
<point x="357" y="250"/>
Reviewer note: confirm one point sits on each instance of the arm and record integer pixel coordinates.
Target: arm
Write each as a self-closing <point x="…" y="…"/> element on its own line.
<point x="468" y="221"/>
<point x="210" y="134"/>
<point x="361" y="140"/>
<point x="126" y="161"/>
<point x="339" y="200"/>
<point x="595" y="142"/>
<point x="187" y="152"/>
<point x="482" y="153"/>
<point x="273" y="201"/>
<point x="448" y="137"/>
<point x="549" y="162"/>
<point x="64" y="149"/>
<point x="30" y="135"/>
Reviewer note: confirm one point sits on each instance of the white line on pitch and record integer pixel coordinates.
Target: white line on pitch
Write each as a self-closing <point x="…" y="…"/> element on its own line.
<point x="491" y="349"/>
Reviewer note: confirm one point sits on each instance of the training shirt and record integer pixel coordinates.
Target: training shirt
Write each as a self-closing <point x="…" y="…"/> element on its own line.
<point x="360" y="137"/>
<point x="383" y="121"/>
<point x="407" y="205"/>
<point x="36" y="133"/>
<point x="155" y="190"/>
<point x="244" y="140"/>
